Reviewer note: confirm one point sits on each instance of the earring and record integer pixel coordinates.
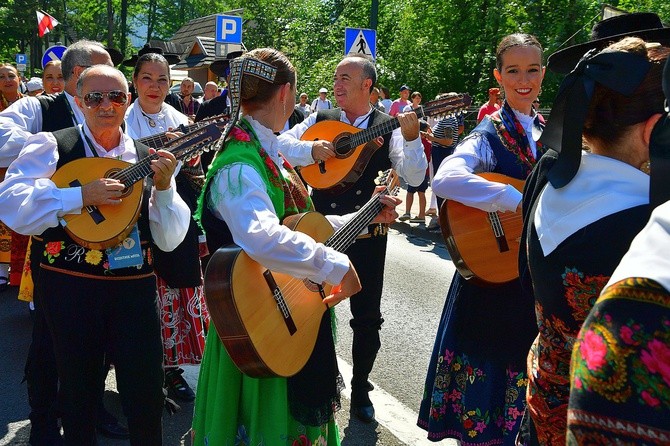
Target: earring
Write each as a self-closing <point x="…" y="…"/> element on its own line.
<point x="646" y="167"/>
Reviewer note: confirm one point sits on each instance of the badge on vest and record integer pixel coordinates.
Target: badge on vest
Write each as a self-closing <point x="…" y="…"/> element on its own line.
<point x="128" y="253"/>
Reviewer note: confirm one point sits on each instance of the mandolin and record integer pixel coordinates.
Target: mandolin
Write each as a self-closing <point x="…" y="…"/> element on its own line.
<point x="160" y="140"/>
<point x="105" y="226"/>
<point x="354" y="147"/>
<point x="269" y="321"/>
<point x="484" y="246"/>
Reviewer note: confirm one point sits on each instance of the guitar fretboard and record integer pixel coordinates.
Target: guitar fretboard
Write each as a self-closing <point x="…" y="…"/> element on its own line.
<point x="346" y="235"/>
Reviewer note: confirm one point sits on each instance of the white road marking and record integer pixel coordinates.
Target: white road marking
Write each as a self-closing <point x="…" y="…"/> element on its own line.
<point x="397" y="418"/>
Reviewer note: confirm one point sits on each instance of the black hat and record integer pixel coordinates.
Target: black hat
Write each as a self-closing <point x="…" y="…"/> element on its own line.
<point x="221" y="67"/>
<point x="645" y="25"/>
<point x="115" y="55"/>
<point x="171" y="58"/>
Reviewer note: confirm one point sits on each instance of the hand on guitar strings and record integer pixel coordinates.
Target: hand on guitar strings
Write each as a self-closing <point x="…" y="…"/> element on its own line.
<point x="102" y="191"/>
<point x="409" y="125"/>
<point x="163" y="168"/>
<point x="388" y="214"/>
<point x="349" y="286"/>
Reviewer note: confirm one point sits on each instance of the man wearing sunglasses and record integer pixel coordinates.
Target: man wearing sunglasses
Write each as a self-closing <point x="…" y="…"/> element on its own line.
<point x="97" y="306"/>
<point x="47" y="113"/>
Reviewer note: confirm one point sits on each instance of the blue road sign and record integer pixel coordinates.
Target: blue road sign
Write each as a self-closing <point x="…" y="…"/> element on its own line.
<point x="228" y="29"/>
<point x="360" y="41"/>
<point x="21" y="59"/>
<point x="53" y="53"/>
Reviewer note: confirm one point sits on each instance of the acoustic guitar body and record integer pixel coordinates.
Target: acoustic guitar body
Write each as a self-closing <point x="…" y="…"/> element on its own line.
<point x="105" y="226"/>
<point x="483" y="246"/>
<point x="257" y="335"/>
<point x="347" y="166"/>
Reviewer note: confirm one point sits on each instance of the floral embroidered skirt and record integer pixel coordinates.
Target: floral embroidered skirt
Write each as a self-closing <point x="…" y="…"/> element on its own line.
<point x="234" y="409"/>
<point x="184" y="323"/>
<point x="476" y="401"/>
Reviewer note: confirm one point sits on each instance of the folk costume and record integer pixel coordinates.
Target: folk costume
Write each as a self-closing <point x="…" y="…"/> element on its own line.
<point x="620" y="379"/>
<point x="581" y="211"/>
<point x="249" y="188"/>
<point x="368" y="254"/>
<point x="476" y="381"/>
<point x="121" y="322"/>
<point x="181" y="304"/>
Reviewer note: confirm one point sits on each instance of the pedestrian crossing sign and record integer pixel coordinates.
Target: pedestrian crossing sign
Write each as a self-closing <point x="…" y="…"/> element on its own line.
<point x="360" y="41"/>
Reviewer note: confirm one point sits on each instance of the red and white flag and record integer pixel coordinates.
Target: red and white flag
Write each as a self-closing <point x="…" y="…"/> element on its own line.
<point x="45" y="23"/>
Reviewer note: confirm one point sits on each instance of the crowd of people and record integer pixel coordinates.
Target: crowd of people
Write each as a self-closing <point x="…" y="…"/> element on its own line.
<point x="573" y="351"/>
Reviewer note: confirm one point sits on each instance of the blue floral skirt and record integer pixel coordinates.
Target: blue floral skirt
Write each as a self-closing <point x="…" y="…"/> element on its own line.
<point x="467" y="397"/>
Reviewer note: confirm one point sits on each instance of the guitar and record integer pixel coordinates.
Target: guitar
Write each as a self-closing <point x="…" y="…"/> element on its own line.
<point x="354" y="147"/>
<point x="484" y="246"/>
<point x="105" y="226"/>
<point x="269" y="321"/>
<point x="161" y="140"/>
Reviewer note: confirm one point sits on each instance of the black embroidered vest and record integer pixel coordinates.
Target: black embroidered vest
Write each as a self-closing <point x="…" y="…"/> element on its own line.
<point x="60" y="252"/>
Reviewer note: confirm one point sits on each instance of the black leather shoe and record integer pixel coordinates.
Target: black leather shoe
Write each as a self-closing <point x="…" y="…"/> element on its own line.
<point x="177" y="386"/>
<point x="364" y="413"/>
<point x="108" y="426"/>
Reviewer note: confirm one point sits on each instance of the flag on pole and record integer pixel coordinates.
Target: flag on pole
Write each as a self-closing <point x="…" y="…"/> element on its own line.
<point x="45" y="23"/>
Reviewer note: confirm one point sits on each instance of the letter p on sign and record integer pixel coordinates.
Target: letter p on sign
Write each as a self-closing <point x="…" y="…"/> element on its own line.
<point x="228" y="29"/>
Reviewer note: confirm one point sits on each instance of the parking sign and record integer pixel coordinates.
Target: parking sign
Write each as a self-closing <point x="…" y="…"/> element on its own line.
<point x="228" y="29"/>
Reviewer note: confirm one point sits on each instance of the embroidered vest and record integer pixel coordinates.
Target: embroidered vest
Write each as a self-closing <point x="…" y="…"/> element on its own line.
<point x="507" y="162"/>
<point x="288" y="195"/>
<point x="351" y="200"/>
<point x="60" y="252"/>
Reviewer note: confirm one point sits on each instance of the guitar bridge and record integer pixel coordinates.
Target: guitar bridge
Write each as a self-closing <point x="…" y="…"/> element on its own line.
<point x="498" y="232"/>
<point x="281" y="302"/>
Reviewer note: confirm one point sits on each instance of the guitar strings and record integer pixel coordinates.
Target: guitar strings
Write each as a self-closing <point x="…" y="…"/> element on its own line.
<point x="339" y="241"/>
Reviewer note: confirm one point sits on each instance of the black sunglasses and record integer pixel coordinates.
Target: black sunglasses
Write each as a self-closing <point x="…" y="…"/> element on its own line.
<point x="95" y="98"/>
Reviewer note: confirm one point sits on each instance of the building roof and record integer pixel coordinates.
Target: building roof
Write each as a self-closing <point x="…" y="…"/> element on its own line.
<point x="197" y="43"/>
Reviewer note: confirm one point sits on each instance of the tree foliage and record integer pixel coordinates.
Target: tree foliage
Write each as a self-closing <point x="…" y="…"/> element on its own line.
<point x="432" y="46"/>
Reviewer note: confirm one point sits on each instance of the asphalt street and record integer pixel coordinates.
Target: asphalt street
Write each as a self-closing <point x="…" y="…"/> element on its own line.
<point x="411" y="314"/>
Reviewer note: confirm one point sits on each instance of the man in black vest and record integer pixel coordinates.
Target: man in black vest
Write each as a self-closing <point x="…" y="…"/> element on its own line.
<point x="355" y="77"/>
<point x="48" y="113"/>
<point x="95" y="303"/>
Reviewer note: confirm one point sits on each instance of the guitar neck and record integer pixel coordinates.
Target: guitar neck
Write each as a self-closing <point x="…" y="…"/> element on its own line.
<point x="346" y="235"/>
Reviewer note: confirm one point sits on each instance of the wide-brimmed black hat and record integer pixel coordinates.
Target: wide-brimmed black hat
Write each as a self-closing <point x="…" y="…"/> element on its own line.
<point x="115" y="55"/>
<point x="171" y="58"/>
<point x="645" y="25"/>
<point x="221" y="67"/>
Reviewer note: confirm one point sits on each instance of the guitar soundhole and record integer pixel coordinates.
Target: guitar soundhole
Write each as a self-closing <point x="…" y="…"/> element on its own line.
<point x="342" y="146"/>
<point x="127" y="191"/>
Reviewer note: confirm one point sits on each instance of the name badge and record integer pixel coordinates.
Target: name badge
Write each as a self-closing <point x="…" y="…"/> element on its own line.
<point x="128" y="253"/>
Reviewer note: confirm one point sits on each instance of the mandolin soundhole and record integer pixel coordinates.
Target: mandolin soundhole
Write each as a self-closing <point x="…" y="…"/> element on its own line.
<point x="110" y="174"/>
<point x="343" y="146"/>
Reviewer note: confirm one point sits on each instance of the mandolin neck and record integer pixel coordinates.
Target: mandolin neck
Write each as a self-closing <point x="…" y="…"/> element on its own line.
<point x="160" y="140"/>
<point x="138" y="171"/>
<point x="367" y="135"/>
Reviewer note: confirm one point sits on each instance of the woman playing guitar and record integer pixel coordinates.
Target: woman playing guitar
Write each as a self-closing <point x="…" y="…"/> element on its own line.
<point x="485" y="333"/>
<point x="249" y="189"/>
